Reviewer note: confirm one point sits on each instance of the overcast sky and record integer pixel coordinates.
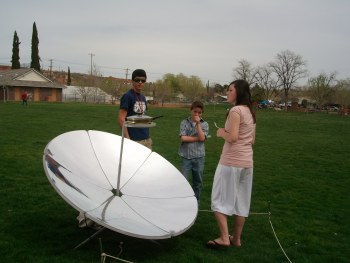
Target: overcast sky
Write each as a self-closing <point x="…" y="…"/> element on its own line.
<point x="205" y="38"/>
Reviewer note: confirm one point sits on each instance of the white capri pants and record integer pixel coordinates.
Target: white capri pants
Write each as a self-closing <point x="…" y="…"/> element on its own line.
<point x="231" y="192"/>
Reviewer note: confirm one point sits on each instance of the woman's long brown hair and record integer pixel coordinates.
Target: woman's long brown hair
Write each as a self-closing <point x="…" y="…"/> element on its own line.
<point x="243" y="95"/>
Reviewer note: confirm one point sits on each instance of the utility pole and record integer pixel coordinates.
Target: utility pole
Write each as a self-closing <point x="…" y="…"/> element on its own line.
<point x="126" y="77"/>
<point x="50" y="67"/>
<point x="91" y="55"/>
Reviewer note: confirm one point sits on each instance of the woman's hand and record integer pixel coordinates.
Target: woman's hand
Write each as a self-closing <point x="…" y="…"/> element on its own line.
<point x="221" y="132"/>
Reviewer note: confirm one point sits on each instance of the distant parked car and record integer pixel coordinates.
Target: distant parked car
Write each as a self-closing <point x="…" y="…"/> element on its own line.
<point x="333" y="108"/>
<point x="263" y="104"/>
<point x="281" y="105"/>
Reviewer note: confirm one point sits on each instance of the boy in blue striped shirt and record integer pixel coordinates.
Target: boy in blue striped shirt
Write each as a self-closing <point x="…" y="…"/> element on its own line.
<point x="193" y="133"/>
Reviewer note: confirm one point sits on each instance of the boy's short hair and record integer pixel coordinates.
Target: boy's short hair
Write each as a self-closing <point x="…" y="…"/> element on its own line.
<point x="197" y="104"/>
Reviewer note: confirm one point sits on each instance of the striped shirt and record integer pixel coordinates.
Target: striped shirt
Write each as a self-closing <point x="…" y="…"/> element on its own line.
<point x="190" y="150"/>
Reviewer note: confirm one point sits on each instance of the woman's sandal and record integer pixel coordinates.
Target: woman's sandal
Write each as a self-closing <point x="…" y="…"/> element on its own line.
<point x="215" y="245"/>
<point x="230" y="238"/>
<point x="231" y="241"/>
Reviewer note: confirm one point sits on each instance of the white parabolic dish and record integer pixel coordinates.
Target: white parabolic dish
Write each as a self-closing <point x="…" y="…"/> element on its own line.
<point x="155" y="201"/>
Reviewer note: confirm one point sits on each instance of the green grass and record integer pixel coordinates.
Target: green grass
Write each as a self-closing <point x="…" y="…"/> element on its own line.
<point x="301" y="172"/>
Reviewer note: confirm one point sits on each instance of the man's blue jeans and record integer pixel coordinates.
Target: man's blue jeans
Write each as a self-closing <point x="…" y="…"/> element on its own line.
<point x="194" y="167"/>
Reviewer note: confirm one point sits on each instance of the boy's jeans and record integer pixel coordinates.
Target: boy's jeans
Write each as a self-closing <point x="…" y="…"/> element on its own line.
<point x="194" y="167"/>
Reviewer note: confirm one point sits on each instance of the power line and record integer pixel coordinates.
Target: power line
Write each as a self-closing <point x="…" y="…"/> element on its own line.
<point x="119" y="70"/>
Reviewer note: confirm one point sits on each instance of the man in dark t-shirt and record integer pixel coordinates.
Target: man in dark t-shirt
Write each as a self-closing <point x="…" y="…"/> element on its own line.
<point x="133" y="102"/>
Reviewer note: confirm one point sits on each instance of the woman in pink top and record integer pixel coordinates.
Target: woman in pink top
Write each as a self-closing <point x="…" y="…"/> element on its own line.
<point x="233" y="178"/>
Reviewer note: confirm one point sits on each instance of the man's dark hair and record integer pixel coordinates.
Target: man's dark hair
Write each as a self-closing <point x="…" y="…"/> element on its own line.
<point x="138" y="73"/>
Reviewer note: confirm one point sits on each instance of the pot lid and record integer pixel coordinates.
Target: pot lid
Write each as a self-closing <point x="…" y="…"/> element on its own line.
<point x="139" y="119"/>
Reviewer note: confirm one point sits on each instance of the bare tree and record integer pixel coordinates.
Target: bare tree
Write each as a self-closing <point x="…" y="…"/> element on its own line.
<point x="95" y="80"/>
<point x="289" y="68"/>
<point x="83" y="90"/>
<point x="265" y="79"/>
<point x="245" y="71"/>
<point x="110" y="86"/>
<point x="320" y="88"/>
<point x="342" y="93"/>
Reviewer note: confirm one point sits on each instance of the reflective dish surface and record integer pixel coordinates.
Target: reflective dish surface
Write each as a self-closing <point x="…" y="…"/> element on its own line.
<point x="155" y="201"/>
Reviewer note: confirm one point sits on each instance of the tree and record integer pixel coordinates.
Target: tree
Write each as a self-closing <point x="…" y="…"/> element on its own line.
<point x="69" y="80"/>
<point x="161" y="91"/>
<point x="342" y="93"/>
<point x="266" y="80"/>
<point x="111" y="86"/>
<point x="257" y="93"/>
<point x="245" y="71"/>
<point x="94" y="80"/>
<point x="172" y="81"/>
<point x="35" y="63"/>
<point x="289" y="68"/>
<point x="15" y="52"/>
<point x="320" y="89"/>
<point x="220" y="89"/>
<point x="83" y="90"/>
<point x="192" y="87"/>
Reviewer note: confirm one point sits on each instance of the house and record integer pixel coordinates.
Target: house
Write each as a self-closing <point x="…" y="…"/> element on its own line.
<point x="16" y="81"/>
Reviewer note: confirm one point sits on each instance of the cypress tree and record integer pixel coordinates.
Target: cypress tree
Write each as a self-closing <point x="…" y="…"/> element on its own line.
<point x="35" y="63"/>
<point x="15" y="52"/>
<point x="69" y="80"/>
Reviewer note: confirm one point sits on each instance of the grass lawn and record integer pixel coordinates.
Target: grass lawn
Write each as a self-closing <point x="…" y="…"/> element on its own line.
<point x="301" y="175"/>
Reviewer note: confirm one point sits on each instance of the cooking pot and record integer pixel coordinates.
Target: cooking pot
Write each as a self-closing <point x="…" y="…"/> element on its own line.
<point x="141" y="119"/>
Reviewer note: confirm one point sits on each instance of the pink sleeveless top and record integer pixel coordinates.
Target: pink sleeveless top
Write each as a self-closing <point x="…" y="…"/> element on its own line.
<point x="240" y="153"/>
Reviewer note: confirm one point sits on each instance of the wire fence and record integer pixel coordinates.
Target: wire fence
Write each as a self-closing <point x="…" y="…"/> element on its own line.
<point x="104" y="256"/>
<point x="272" y="228"/>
